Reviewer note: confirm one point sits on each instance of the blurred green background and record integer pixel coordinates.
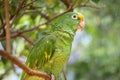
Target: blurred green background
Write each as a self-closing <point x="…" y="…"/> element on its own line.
<point x="95" y="54"/>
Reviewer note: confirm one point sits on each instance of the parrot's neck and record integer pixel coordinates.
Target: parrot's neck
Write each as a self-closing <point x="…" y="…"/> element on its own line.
<point x="64" y="40"/>
<point x="65" y="35"/>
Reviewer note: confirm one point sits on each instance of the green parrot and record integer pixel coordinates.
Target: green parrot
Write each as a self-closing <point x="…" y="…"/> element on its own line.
<point x="52" y="51"/>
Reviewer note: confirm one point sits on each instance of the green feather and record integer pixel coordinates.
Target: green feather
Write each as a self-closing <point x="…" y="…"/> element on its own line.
<point x="52" y="51"/>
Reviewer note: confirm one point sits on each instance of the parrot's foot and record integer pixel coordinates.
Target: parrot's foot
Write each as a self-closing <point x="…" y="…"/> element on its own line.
<point x="52" y="77"/>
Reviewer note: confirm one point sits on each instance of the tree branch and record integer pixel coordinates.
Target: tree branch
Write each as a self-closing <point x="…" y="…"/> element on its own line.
<point x="29" y="3"/>
<point x="13" y="35"/>
<point x="18" y="32"/>
<point x="23" y="66"/>
<point x="7" y="26"/>
<point x="27" y="39"/>
<point x="67" y="3"/>
<point x="14" y="15"/>
<point x="64" y="75"/>
<point x="1" y="4"/>
<point x="36" y="27"/>
<point x="18" y="9"/>
<point x="91" y="6"/>
<point x="34" y="11"/>
<point x="1" y="19"/>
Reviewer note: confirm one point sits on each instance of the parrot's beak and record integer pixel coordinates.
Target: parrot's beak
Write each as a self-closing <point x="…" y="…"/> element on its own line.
<point x="81" y="24"/>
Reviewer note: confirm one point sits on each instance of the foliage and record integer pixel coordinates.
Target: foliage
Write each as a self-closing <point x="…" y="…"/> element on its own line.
<point x="99" y="59"/>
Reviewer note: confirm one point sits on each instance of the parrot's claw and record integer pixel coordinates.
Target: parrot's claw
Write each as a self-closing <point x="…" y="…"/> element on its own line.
<point x="52" y="77"/>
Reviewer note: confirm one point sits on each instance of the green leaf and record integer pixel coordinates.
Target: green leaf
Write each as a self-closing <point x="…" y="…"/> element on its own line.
<point x="96" y="1"/>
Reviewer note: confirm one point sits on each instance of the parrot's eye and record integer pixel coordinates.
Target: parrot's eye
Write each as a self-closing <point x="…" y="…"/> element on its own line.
<point x="74" y="16"/>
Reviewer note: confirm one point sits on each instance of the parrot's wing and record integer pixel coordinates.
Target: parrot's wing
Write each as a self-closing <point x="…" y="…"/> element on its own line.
<point x="41" y="52"/>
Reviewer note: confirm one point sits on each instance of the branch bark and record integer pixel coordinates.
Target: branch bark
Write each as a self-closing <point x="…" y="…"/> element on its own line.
<point x="18" y="9"/>
<point x="36" y="27"/>
<point x="18" y="32"/>
<point x="13" y="35"/>
<point x="92" y="6"/>
<point x="23" y="66"/>
<point x="27" y="39"/>
<point x="67" y="3"/>
<point x="29" y="3"/>
<point x="7" y="26"/>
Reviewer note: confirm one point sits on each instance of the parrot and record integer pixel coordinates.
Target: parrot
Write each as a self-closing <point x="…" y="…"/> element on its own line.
<point x="51" y="53"/>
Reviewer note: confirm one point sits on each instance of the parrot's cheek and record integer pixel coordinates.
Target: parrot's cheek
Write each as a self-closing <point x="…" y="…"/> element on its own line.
<point x="81" y="25"/>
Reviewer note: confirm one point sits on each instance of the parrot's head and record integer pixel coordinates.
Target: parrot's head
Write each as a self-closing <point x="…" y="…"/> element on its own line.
<point x="69" y="22"/>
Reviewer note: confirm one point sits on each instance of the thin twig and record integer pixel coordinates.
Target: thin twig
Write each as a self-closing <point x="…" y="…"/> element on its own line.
<point x="25" y="12"/>
<point x="14" y="15"/>
<point x="29" y="3"/>
<point x="67" y="3"/>
<point x="13" y="35"/>
<point x="18" y="9"/>
<point x="7" y="27"/>
<point x="65" y="78"/>
<point x="16" y="19"/>
<point x="35" y="10"/>
<point x="27" y="39"/>
<point x="23" y="66"/>
<point x="91" y="6"/>
<point x="21" y="6"/>
<point x="75" y="2"/>
<point x="1" y="19"/>
<point x="36" y="27"/>
<point x="18" y="32"/>
<point x="1" y="4"/>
